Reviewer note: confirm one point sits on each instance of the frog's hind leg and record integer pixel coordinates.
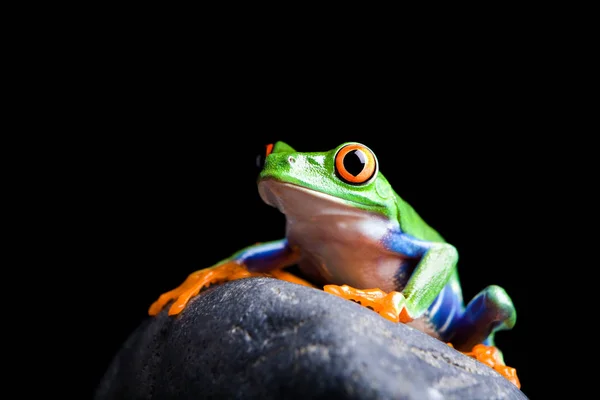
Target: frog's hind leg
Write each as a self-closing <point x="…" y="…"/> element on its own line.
<point x="490" y="311"/>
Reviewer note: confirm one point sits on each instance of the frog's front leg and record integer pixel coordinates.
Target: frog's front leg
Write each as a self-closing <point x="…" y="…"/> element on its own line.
<point x="437" y="263"/>
<point x="261" y="259"/>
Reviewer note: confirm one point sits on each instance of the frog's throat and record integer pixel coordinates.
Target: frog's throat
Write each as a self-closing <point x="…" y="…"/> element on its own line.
<point x="294" y="200"/>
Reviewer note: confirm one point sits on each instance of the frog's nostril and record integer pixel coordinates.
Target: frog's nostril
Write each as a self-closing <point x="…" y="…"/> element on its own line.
<point x="291" y="160"/>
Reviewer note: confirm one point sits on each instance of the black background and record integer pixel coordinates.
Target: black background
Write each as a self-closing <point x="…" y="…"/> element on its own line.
<point x="161" y="171"/>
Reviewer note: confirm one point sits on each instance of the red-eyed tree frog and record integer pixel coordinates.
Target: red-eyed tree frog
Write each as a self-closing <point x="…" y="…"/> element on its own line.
<point x="351" y="234"/>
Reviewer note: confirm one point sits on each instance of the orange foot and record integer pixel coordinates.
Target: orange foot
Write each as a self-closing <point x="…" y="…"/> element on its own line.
<point x="196" y="281"/>
<point x="490" y="356"/>
<point x="388" y="305"/>
<point x="221" y="273"/>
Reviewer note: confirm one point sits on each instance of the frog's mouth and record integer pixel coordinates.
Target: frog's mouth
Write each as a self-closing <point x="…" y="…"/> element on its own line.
<point x="293" y="200"/>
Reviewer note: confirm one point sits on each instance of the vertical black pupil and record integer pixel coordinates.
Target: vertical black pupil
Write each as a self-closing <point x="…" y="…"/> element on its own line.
<point x="354" y="162"/>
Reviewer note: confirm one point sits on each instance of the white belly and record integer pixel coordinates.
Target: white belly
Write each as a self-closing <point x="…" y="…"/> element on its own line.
<point x="346" y="249"/>
<point x="339" y="243"/>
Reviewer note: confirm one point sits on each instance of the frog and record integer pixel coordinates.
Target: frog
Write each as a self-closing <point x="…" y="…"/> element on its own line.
<point x="351" y="235"/>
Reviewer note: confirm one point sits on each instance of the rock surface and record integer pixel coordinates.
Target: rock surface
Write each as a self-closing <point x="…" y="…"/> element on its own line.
<point x="262" y="338"/>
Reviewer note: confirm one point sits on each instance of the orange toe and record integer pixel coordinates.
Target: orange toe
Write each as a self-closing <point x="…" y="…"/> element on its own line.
<point x="388" y="305"/>
<point x="490" y="356"/>
<point x="195" y="282"/>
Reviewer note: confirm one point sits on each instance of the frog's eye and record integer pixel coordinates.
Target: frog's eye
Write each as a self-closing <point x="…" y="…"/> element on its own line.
<point x="355" y="163"/>
<point x="261" y="157"/>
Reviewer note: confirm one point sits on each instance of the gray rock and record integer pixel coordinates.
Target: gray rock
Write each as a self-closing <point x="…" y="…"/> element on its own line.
<point x="262" y="338"/>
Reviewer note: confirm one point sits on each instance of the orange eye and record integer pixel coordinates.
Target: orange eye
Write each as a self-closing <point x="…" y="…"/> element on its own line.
<point x="355" y="163"/>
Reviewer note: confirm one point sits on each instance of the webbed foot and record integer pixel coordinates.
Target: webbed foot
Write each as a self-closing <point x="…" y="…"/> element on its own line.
<point x="490" y="356"/>
<point x="388" y="305"/>
<point x="203" y="278"/>
<point x="228" y="271"/>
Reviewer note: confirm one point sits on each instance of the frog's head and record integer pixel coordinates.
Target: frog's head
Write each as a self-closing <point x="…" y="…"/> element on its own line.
<point x="344" y="179"/>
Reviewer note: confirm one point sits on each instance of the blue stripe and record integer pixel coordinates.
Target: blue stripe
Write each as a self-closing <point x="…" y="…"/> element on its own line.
<point x="399" y="242"/>
<point x="262" y="250"/>
<point x="446" y="309"/>
<point x="264" y="257"/>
